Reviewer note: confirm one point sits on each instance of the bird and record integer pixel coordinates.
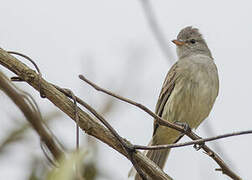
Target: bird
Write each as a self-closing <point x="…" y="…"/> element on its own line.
<point x="188" y="92"/>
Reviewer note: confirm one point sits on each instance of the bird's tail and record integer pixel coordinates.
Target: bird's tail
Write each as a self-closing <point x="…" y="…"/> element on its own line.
<point x="157" y="156"/>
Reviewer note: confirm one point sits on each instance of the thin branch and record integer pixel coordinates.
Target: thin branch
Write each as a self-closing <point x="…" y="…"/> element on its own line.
<point x="223" y="166"/>
<point x="156" y="30"/>
<point x="31" y="115"/>
<point x="34" y="64"/>
<point x="88" y="124"/>
<point x="199" y="141"/>
<point x="36" y="108"/>
<point x="161" y="121"/>
<point x="18" y="132"/>
<point x="126" y="146"/>
<point x="70" y="94"/>
<point x="209" y="131"/>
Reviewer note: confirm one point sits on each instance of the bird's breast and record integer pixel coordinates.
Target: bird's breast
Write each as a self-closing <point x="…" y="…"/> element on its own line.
<point x="193" y="96"/>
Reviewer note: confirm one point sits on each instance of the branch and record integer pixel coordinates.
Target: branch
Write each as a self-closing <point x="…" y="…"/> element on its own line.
<point x="126" y="146"/>
<point x="31" y="115"/>
<point x="34" y="64"/>
<point x="161" y="121"/>
<point x="199" y="141"/>
<point x="156" y="30"/>
<point x="88" y="124"/>
<point x="223" y="167"/>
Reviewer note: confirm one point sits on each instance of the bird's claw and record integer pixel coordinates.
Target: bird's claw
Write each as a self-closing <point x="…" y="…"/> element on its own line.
<point x="184" y="125"/>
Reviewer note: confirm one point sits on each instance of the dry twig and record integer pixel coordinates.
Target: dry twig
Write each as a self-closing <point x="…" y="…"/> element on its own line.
<point x="126" y="146"/>
<point x="95" y="129"/>
<point x="197" y="142"/>
<point x="156" y="30"/>
<point x="223" y="167"/>
<point x="31" y="115"/>
<point x="88" y="124"/>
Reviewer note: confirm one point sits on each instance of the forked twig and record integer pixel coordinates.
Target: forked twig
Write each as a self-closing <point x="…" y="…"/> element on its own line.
<point x="126" y="146"/>
<point x="91" y="126"/>
<point x="35" y="65"/>
<point x="87" y="123"/>
<point x="32" y="115"/>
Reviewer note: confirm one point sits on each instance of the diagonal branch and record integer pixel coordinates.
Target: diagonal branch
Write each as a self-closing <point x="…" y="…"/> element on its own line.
<point x="88" y="124"/>
<point x="126" y="146"/>
<point x="156" y="30"/>
<point x="161" y="121"/>
<point x="31" y="115"/>
<point x="223" y="166"/>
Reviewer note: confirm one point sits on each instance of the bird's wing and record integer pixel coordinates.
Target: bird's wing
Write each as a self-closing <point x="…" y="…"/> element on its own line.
<point x="165" y="93"/>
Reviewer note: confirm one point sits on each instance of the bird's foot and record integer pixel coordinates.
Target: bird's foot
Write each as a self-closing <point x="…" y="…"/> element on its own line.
<point x="184" y="125"/>
<point x="129" y="147"/>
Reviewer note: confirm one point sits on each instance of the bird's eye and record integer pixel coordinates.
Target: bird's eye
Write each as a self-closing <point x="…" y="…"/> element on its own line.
<point x="193" y="41"/>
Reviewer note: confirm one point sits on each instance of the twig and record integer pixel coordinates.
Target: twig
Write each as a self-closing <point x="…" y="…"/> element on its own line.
<point x="88" y="124"/>
<point x="73" y="97"/>
<point x="126" y="146"/>
<point x="31" y="115"/>
<point x="199" y="141"/>
<point x="43" y="96"/>
<point x="76" y="116"/>
<point x="34" y="105"/>
<point x="156" y="30"/>
<point x="209" y="131"/>
<point x="35" y="65"/>
<point x="161" y="121"/>
<point x="224" y="168"/>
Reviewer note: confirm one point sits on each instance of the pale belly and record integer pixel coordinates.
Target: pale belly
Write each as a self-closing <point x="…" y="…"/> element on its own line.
<point x="189" y="102"/>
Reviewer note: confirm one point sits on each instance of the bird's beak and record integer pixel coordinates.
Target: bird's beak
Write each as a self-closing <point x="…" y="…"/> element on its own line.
<point x="178" y="43"/>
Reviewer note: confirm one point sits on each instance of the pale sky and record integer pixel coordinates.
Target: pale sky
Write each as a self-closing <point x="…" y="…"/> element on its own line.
<point x="110" y="42"/>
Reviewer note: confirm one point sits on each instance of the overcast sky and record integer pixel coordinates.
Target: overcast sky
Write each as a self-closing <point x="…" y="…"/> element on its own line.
<point x="110" y="42"/>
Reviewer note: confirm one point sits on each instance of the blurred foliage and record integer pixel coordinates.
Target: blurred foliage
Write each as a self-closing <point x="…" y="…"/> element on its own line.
<point x="87" y="162"/>
<point x="38" y="169"/>
<point x="90" y="171"/>
<point x="68" y="168"/>
<point x="18" y="133"/>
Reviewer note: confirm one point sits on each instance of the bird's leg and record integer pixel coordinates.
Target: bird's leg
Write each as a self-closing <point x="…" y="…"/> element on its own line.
<point x="180" y="136"/>
<point x="184" y="125"/>
<point x="186" y="128"/>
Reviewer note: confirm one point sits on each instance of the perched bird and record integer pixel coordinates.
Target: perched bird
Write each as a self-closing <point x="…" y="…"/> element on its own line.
<point x="188" y="92"/>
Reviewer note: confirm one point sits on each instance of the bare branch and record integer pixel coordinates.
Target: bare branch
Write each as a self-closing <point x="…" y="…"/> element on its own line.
<point x="31" y="115"/>
<point x="199" y="141"/>
<point x="156" y="30"/>
<point x="126" y="146"/>
<point x="161" y="121"/>
<point x="209" y="131"/>
<point x="88" y="124"/>
<point x="34" y="64"/>
<point x="223" y="166"/>
<point x="17" y="133"/>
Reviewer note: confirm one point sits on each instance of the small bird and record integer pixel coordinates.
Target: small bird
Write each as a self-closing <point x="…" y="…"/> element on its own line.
<point x="188" y="92"/>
